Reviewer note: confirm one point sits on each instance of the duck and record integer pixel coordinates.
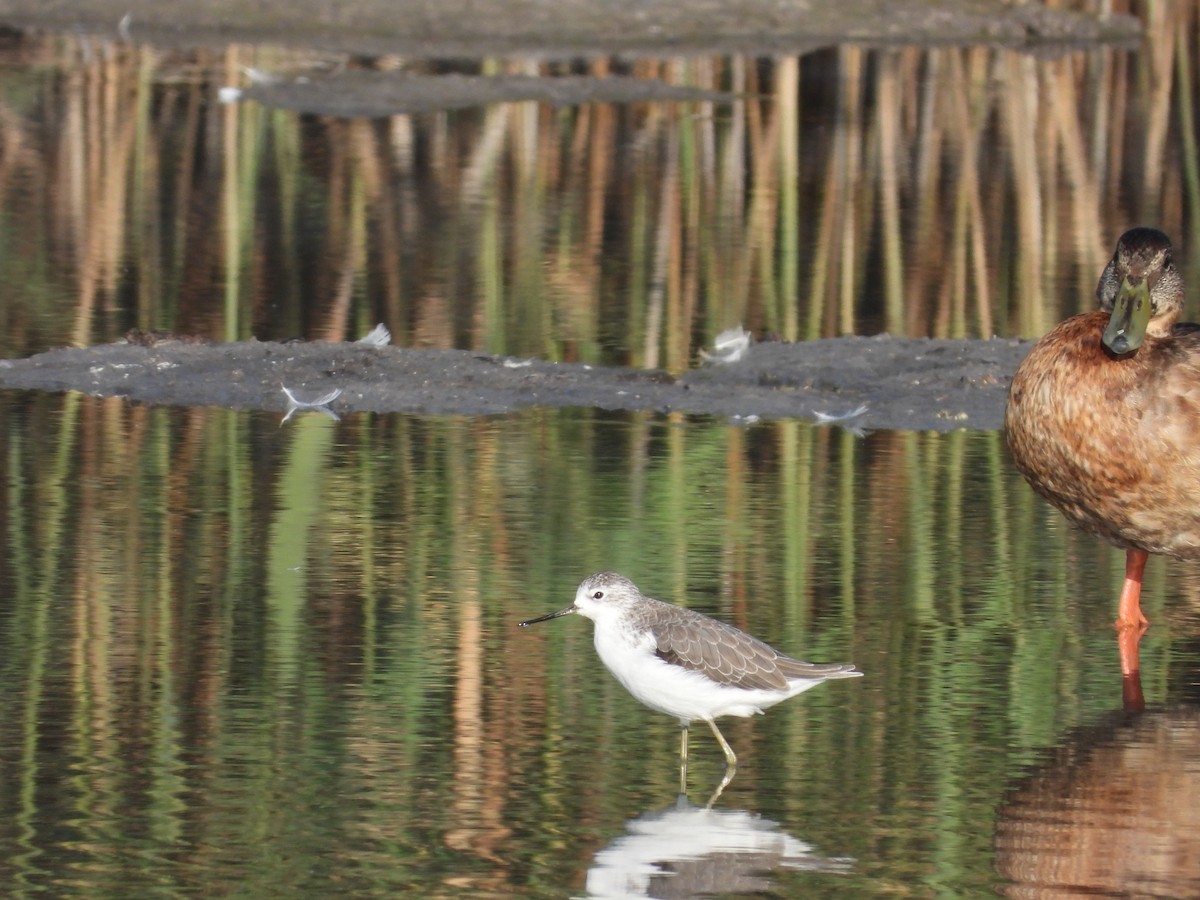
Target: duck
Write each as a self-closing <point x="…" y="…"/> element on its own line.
<point x="1103" y="416"/>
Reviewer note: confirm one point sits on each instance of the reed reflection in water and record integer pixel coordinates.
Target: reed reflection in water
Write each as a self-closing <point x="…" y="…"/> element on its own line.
<point x="922" y="191"/>
<point x="239" y="657"/>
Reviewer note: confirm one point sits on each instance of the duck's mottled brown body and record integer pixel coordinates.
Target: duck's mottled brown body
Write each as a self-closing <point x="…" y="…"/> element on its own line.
<point x="1113" y="443"/>
<point x="1113" y="438"/>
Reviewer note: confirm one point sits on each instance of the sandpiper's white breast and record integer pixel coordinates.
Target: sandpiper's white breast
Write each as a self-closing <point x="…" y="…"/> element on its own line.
<point x="631" y="654"/>
<point x="686" y="664"/>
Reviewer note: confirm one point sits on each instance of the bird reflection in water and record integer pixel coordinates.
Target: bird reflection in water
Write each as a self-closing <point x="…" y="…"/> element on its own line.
<point x="1114" y="812"/>
<point x="688" y="851"/>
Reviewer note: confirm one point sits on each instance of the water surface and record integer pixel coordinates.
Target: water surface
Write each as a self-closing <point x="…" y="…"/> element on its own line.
<point x="263" y="659"/>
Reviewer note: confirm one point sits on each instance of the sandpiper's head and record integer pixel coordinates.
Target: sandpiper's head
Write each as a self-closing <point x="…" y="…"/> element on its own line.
<point x="600" y="595"/>
<point x="605" y="594"/>
<point x="1141" y="289"/>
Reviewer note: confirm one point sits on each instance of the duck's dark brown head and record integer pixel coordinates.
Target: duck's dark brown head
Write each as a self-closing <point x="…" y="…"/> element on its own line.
<point x="1141" y="289"/>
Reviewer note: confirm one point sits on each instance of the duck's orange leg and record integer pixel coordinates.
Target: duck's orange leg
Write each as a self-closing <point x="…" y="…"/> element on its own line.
<point x="1131" y="625"/>
<point x="1131" y="622"/>
<point x="1129" y="612"/>
<point x="1131" y="680"/>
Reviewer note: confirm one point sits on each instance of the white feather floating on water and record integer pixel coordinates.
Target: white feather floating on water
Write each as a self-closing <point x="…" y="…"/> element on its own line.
<point x="379" y="336"/>
<point x="321" y="404"/>
<point x="730" y="346"/>
<point x="843" y="419"/>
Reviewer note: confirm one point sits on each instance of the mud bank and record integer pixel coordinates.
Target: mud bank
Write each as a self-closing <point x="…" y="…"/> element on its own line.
<point x="558" y="28"/>
<point x="894" y="383"/>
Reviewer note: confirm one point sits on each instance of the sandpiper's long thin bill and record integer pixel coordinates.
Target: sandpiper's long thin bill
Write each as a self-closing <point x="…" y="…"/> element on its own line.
<point x="565" y="611"/>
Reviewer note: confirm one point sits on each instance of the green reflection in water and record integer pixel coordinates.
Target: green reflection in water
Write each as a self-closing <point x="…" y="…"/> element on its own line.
<point x="240" y="657"/>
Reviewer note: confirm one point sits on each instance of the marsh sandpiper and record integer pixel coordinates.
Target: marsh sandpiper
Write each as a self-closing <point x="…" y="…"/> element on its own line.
<point x="687" y="665"/>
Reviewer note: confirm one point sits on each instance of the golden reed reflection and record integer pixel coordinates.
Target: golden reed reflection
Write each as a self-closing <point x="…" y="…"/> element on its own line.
<point x="947" y="191"/>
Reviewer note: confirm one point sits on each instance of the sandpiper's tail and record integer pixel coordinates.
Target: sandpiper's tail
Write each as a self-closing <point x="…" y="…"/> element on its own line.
<point x="794" y="668"/>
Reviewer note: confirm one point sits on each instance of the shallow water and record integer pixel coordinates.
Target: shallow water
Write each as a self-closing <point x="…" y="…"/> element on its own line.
<point x="253" y="658"/>
<point x="246" y="658"/>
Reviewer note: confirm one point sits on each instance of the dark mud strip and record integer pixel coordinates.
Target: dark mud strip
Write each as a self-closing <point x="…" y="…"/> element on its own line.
<point x="903" y="384"/>
<point x="564" y="29"/>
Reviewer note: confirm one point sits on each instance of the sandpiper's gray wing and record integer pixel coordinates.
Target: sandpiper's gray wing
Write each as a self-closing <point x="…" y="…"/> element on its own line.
<point x="727" y="654"/>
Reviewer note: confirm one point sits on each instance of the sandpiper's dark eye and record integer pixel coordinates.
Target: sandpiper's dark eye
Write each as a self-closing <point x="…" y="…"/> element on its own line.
<point x="599" y="595"/>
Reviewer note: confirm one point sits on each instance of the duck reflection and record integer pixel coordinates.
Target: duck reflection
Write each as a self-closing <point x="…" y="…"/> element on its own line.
<point x="691" y="851"/>
<point x="1133" y="699"/>
<point x="1116" y="811"/>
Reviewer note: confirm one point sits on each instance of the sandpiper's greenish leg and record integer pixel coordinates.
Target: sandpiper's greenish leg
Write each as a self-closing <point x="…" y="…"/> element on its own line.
<point x="683" y="736"/>
<point x="730" y="758"/>
<point x="730" y="763"/>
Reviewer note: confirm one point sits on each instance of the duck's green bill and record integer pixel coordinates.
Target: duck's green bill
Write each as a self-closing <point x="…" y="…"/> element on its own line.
<point x="1130" y="317"/>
